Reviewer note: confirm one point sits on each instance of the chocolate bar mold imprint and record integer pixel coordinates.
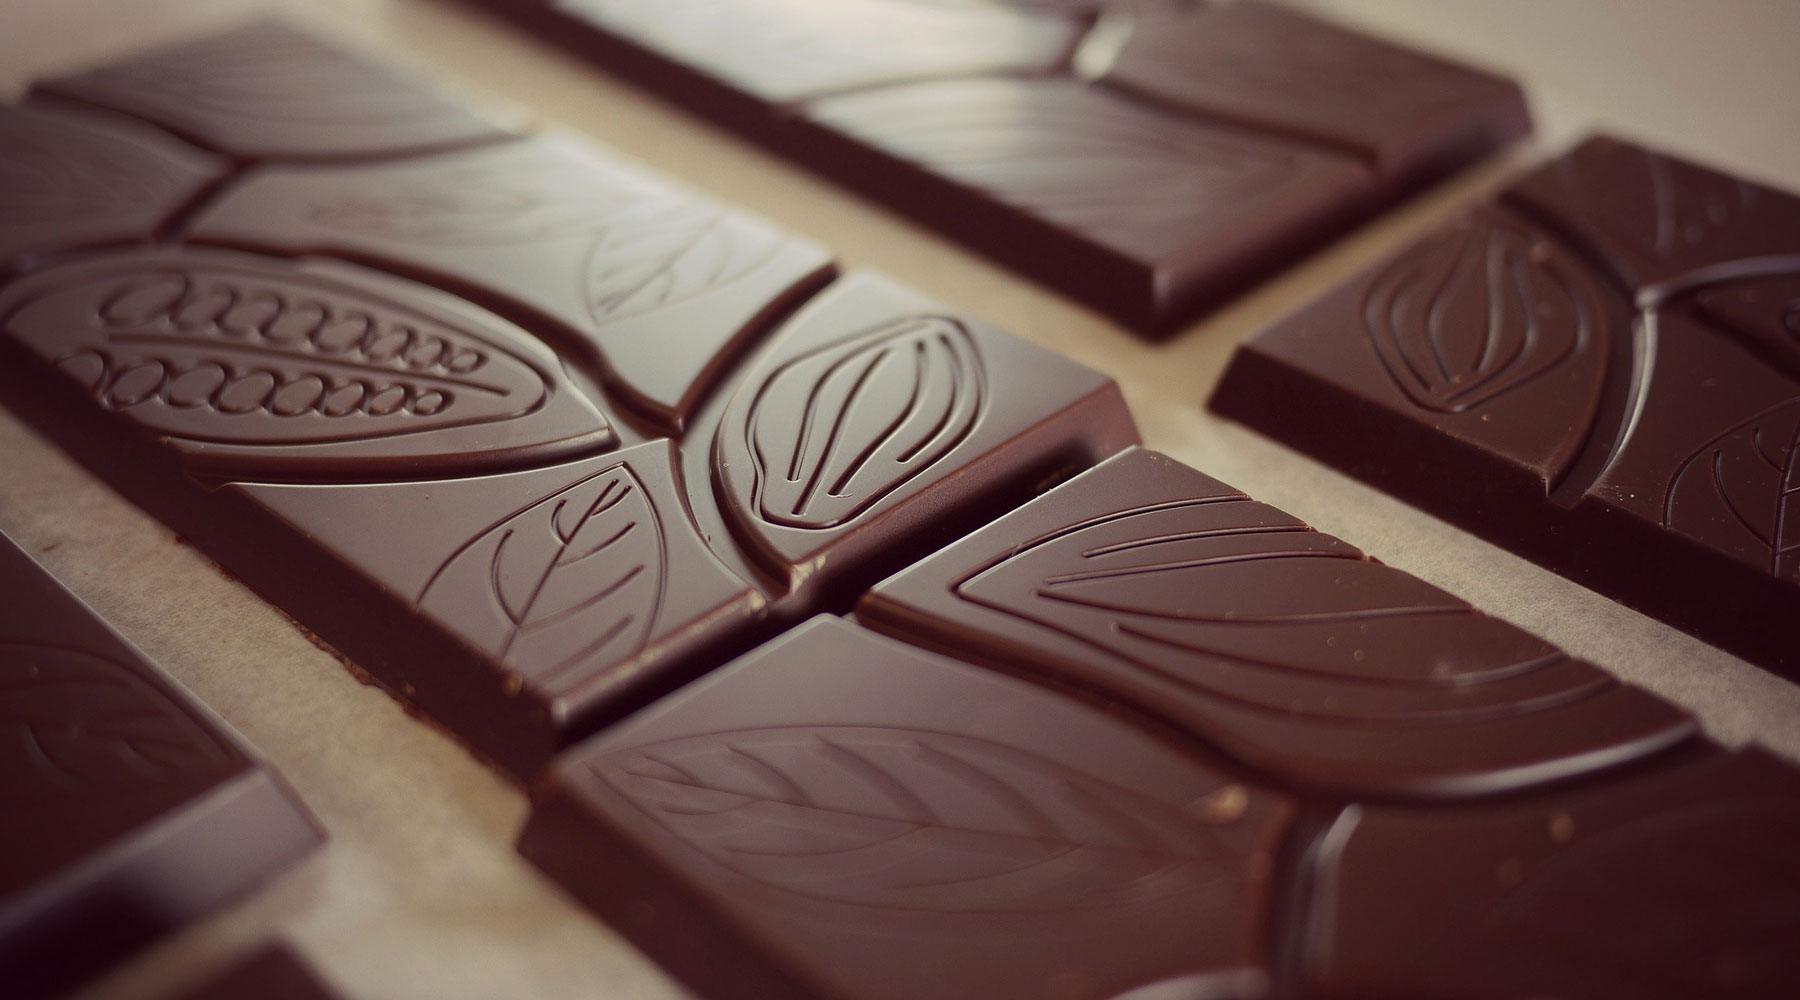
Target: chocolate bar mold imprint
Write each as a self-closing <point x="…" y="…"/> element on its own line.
<point x="248" y="366"/>
<point x="127" y="809"/>
<point x="1149" y="159"/>
<point x="1288" y="649"/>
<point x="1599" y="371"/>
<point x="659" y="287"/>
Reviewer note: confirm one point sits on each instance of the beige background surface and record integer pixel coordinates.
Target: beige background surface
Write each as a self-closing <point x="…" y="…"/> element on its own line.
<point x="419" y="894"/>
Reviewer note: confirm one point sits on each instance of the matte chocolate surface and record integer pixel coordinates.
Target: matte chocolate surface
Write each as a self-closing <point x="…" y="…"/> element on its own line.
<point x="71" y="181"/>
<point x="485" y="512"/>
<point x="1147" y="158"/>
<point x="1288" y="649"/>
<point x="839" y="815"/>
<point x="126" y="809"/>
<point x="267" y="90"/>
<point x="1600" y="373"/>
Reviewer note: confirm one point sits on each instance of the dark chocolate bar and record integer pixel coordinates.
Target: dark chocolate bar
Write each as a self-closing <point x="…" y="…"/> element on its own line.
<point x="127" y="809"/>
<point x="268" y="91"/>
<point x="1157" y="586"/>
<point x="1164" y="741"/>
<point x="1148" y="158"/>
<point x="673" y="435"/>
<point x="1600" y="372"/>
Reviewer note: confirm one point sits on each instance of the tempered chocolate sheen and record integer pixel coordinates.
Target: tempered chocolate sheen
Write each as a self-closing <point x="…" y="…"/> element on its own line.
<point x="268" y="90"/>
<point x="1601" y="372"/>
<point x="126" y="809"/>
<point x="1147" y="158"/>
<point x="1150" y="583"/>
<point x="840" y="815"/>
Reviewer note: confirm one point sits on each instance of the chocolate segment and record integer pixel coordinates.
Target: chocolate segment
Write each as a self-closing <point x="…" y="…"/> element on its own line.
<point x="838" y="815"/>
<point x="1676" y="883"/>
<point x="782" y="51"/>
<point x="248" y="365"/>
<point x="518" y="609"/>
<point x="267" y="90"/>
<point x="1407" y="113"/>
<point x="663" y="287"/>
<point x="1632" y="426"/>
<point x="877" y="409"/>
<point x="1147" y="158"/>
<point x="1153" y="584"/>
<point x="126" y="809"/>
<point x="1121" y="204"/>
<point x="70" y="181"/>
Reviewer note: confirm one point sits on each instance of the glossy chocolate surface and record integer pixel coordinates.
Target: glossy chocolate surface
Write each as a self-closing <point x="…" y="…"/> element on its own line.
<point x="73" y="181"/>
<point x="1148" y="158"/>
<point x="840" y="815"/>
<point x="268" y="90"/>
<point x="1608" y="385"/>
<point x="126" y="809"/>
<point x="663" y="289"/>
<point x="1676" y="883"/>
<point x="675" y="435"/>
<point x="1285" y="648"/>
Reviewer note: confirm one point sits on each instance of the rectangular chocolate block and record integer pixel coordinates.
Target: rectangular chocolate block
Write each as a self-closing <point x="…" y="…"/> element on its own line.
<point x="127" y="809"/>
<point x="529" y="434"/>
<point x="1150" y="159"/>
<point x="1145" y="737"/>
<point x="1600" y="371"/>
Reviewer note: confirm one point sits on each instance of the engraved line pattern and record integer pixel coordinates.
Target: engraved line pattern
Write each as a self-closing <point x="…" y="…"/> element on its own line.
<point x="1481" y="311"/>
<point x="1750" y="474"/>
<point x="55" y="173"/>
<point x="239" y="355"/>
<point x="909" y="819"/>
<point x="1180" y="591"/>
<point x="838" y="428"/>
<point x="574" y="580"/>
<point x="74" y="723"/>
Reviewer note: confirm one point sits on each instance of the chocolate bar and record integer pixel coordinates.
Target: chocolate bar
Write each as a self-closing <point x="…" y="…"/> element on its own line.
<point x="1147" y="158"/>
<point x="1598" y="371"/>
<point x="127" y="809"/>
<point x="267" y="90"/>
<point x="1147" y="737"/>
<point x="530" y="435"/>
<point x="1153" y="585"/>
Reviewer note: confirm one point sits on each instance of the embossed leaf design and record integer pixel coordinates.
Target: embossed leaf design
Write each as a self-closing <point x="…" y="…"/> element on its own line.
<point x="248" y="354"/>
<point x="833" y="431"/>
<point x="1743" y="488"/>
<point x="672" y="256"/>
<point x="576" y="579"/>
<point x="72" y="723"/>
<point x="1482" y="310"/>
<point x="1763" y="312"/>
<point x="915" y="820"/>
<point x="1178" y="589"/>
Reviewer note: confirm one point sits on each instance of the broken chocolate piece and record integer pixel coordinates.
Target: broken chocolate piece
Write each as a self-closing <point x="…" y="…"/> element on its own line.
<point x="126" y="808"/>
<point x="1155" y="585"/>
